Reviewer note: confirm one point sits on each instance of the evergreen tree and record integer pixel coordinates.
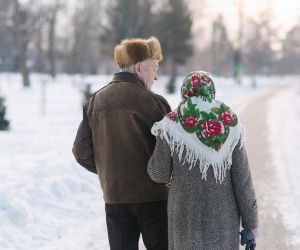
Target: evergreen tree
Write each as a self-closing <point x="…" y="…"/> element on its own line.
<point x="126" y="19"/>
<point x="175" y="35"/>
<point x="4" y="124"/>
<point x="87" y="92"/>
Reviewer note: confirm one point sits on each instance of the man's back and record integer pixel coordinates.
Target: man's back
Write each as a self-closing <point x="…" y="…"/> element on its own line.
<point x="120" y="117"/>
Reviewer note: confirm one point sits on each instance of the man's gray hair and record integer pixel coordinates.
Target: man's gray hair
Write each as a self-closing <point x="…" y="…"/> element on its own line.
<point x="128" y="68"/>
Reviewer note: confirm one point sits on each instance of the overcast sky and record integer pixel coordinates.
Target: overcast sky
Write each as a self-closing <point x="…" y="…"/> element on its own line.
<point x="286" y="13"/>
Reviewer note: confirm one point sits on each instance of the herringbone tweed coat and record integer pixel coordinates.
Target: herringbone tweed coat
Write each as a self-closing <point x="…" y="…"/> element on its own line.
<point x="203" y="214"/>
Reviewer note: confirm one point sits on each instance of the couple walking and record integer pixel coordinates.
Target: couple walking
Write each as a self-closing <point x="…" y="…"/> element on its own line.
<point x="179" y="178"/>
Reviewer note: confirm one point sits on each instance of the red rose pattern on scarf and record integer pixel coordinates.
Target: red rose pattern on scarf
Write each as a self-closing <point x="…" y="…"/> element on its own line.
<point x="226" y="117"/>
<point x="195" y="81"/>
<point x="190" y="121"/>
<point x="211" y="128"/>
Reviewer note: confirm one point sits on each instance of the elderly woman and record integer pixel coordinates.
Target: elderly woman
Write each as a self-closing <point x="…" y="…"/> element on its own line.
<point x="200" y="153"/>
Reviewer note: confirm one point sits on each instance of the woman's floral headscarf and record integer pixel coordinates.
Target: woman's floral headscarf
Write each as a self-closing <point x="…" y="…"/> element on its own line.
<point x="205" y="127"/>
<point x="198" y="83"/>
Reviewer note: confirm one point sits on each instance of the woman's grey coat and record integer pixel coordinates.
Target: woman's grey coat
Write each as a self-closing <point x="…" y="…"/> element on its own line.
<point x="205" y="215"/>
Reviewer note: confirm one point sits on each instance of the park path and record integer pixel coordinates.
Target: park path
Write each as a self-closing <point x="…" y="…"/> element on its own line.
<point x="273" y="234"/>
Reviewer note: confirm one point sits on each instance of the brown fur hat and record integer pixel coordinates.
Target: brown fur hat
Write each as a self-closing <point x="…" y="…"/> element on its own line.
<point x="131" y="51"/>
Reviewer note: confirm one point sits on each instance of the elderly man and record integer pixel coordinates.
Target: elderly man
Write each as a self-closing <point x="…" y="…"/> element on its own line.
<point x="115" y="142"/>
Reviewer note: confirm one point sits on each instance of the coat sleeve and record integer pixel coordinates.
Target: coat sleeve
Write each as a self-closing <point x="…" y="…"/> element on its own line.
<point x="160" y="164"/>
<point x="243" y="188"/>
<point x="83" y="145"/>
<point x="163" y="104"/>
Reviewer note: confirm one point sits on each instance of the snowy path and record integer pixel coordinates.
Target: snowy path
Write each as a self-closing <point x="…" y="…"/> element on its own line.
<point x="284" y="124"/>
<point x="273" y="231"/>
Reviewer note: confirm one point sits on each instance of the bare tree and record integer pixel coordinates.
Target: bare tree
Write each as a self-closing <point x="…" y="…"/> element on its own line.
<point x="22" y="39"/>
<point x="237" y="54"/>
<point x="26" y="20"/>
<point x="259" y="54"/>
<point x="52" y="21"/>
<point x="290" y="61"/>
<point x="7" y="46"/>
<point x="86" y="24"/>
<point x="221" y="48"/>
<point x="39" y="45"/>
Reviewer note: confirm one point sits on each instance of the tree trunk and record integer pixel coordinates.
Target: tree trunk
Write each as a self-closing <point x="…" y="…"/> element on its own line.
<point x="22" y="40"/>
<point x="23" y="66"/>
<point x="51" y="52"/>
<point x="238" y="65"/>
<point x="40" y="62"/>
<point x="173" y="68"/>
<point x="171" y="86"/>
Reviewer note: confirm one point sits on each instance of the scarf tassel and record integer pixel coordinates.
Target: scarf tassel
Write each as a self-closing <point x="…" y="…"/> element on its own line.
<point x="177" y="145"/>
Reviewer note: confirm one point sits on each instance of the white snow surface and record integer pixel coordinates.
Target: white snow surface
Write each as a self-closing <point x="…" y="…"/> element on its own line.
<point x="284" y="126"/>
<point x="47" y="201"/>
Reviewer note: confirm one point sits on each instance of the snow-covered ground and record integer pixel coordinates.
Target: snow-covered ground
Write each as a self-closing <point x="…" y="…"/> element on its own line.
<point x="46" y="200"/>
<point x="284" y="125"/>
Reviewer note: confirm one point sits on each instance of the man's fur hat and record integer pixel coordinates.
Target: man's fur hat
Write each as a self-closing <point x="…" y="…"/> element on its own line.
<point x="131" y="51"/>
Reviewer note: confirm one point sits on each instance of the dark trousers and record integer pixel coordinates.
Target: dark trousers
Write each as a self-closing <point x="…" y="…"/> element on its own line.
<point x="125" y="223"/>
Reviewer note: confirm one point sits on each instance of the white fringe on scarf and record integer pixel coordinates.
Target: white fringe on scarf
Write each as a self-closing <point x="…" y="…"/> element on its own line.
<point x="178" y="140"/>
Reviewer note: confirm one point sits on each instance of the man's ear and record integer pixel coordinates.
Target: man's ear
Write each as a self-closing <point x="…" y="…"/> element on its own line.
<point x="137" y="69"/>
